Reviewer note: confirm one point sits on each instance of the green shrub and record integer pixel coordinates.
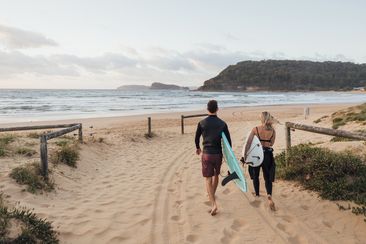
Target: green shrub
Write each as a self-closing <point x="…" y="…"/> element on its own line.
<point x="34" y="229"/>
<point x="338" y="124"/>
<point x="30" y="175"/>
<point x="334" y="175"/>
<point x="337" y="120"/>
<point x="25" y="151"/>
<point x="68" y="154"/>
<point x="6" y="139"/>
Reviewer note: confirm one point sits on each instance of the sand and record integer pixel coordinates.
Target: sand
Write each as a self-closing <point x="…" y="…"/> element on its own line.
<point x="129" y="189"/>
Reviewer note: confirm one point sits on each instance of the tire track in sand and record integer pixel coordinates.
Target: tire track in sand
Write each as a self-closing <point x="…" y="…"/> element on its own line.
<point x="161" y="202"/>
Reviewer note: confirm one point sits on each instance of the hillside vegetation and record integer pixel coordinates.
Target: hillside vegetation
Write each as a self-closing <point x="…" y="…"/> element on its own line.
<point x="288" y="75"/>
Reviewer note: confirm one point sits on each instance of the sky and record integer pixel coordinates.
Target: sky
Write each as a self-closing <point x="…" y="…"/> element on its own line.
<point x="90" y="44"/>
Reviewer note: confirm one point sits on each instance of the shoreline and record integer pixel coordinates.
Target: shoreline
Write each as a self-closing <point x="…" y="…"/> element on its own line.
<point x="167" y="114"/>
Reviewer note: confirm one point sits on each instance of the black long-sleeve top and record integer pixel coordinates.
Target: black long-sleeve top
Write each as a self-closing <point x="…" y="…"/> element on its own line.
<point x="211" y="128"/>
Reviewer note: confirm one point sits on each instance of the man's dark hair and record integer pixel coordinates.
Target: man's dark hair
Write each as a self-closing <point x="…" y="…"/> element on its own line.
<point x="212" y="106"/>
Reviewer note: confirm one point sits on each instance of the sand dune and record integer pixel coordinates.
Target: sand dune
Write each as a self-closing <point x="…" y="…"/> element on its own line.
<point x="136" y="190"/>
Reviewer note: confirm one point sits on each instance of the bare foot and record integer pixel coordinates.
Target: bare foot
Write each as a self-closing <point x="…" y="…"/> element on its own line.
<point x="213" y="211"/>
<point x="271" y="204"/>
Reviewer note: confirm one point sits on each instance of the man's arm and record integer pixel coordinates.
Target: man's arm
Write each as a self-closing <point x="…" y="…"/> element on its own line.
<point x="198" y="135"/>
<point x="227" y="134"/>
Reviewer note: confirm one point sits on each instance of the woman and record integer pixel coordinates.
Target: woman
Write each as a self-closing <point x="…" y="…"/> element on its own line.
<point x="267" y="135"/>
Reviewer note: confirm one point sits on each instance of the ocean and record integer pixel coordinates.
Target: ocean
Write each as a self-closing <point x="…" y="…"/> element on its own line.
<point x="38" y="105"/>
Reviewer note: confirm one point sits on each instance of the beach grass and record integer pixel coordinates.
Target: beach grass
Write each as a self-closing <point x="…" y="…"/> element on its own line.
<point x="334" y="175"/>
<point x="21" y="225"/>
<point x="339" y="139"/>
<point x="5" y="140"/>
<point x="25" y="151"/>
<point x="30" y="175"/>
<point x="34" y="135"/>
<point x="320" y="119"/>
<point x="62" y="143"/>
<point x="68" y="153"/>
<point x="352" y="114"/>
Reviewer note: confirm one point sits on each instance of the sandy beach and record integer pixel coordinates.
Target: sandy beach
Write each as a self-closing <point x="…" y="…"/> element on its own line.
<point x="129" y="189"/>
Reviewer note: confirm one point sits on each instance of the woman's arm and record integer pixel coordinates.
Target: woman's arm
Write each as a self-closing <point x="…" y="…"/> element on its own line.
<point x="273" y="138"/>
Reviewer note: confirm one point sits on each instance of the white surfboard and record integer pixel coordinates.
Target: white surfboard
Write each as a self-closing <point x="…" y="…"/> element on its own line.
<point x="255" y="154"/>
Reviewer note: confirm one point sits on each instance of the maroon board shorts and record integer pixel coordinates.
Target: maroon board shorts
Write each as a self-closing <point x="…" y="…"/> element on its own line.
<point x="211" y="164"/>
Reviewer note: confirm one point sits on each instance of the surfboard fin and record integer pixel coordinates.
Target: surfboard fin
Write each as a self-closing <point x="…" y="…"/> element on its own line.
<point x="229" y="178"/>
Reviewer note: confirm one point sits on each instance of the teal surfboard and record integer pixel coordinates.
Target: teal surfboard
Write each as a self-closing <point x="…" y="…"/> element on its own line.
<point x="235" y="172"/>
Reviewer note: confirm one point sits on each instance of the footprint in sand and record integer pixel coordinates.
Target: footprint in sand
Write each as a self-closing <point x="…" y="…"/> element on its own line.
<point x="191" y="238"/>
<point x="175" y="218"/>
<point x="304" y="207"/>
<point x="255" y="203"/>
<point x="238" y="224"/>
<point x="297" y="239"/>
<point x="226" y="191"/>
<point x="227" y="237"/>
<point x="281" y="227"/>
<point x="287" y="218"/>
<point x="328" y="224"/>
<point x="143" y="222"/>
<point x="118" y="239"/>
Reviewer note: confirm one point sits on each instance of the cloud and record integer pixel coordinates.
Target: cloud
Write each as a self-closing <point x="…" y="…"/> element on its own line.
<point x="16" y="63"/>
<point x="139" y="66"/>
<point x="231" y="37"/>
<point x="14" y="38"/>
<point x="97" y="64"/>
<point x="164" y="59"/>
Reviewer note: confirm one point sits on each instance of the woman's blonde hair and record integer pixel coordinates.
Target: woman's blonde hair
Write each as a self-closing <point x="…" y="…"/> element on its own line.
<point x="267" y="120"/>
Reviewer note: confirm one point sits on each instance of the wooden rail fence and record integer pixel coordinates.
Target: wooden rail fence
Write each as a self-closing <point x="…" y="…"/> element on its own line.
<point x="189" y="116"/>
<point x="319" y="130"/>
<point x="66" y="128"/>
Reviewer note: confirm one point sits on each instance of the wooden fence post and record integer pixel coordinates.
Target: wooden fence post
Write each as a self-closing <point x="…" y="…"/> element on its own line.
<point x="288" y="143"/>
<point x="43" y="152"/>
<point x="306" y="112"/>
<point x="149" y="126"/>
<point x="182" y="123"/>
<point x="81" y="133"/>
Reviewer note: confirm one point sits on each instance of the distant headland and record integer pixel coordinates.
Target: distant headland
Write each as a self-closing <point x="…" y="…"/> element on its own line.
<point x="153" y="86"/>
<point x="288" y="75"/>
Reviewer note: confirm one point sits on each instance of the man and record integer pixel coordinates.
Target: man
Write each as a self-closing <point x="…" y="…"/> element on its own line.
<point x="211" y="128"/>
